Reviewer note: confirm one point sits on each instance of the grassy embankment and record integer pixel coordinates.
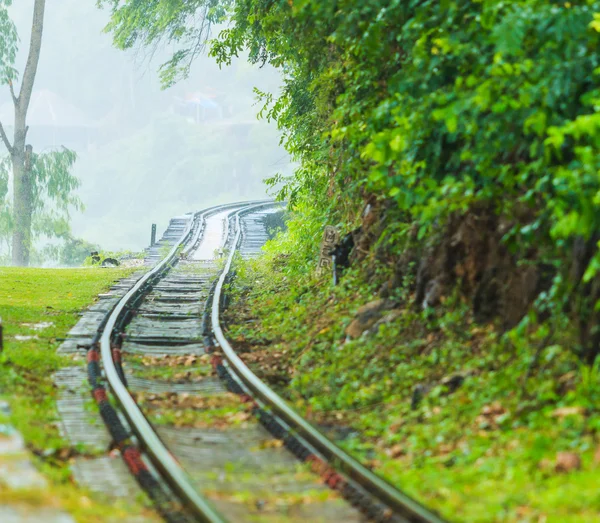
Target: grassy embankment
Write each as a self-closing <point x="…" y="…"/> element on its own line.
<point x="515" y="438"/>
<point x="38" y="306"/>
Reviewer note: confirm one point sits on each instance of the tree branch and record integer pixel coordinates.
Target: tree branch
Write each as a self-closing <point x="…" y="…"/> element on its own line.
<point x="12" y="92"/>
<point x="5" y="139"/>
<point x="35" y="45"/>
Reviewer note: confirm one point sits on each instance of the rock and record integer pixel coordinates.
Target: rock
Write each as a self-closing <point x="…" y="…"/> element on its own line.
<point x="385" y="290"/>
<point x="110" y="262"/>
<point x="434" y="291"/>
<point x="389" y="317"/>
<point x="419" y="392"/>
<point x="367" y="316"/>
<point x="453" y="382"/>
<point x="567" y="461"/>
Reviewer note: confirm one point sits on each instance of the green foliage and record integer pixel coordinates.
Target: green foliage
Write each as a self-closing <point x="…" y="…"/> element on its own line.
<point x="438" y="104"/>
<point x="186" y="25"/>
<point x="48" y="183"/>
<point x="441" y="107"/>
<point x="8" y="44"/>
<point x="53" y="187"/>
<point x="483" y="452"/>
<point x="74" y="251"/>
<point x="435" y="104"/>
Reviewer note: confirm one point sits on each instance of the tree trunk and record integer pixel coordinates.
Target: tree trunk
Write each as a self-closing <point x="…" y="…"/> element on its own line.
<point x="23" y="206"/>
<point x="20" y="154"/>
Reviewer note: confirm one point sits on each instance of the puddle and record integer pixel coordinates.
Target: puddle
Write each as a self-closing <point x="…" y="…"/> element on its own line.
<point x="213" y="237"/>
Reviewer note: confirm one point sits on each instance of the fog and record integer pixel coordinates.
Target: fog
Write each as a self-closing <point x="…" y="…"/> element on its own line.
<point x="144" y="155"/>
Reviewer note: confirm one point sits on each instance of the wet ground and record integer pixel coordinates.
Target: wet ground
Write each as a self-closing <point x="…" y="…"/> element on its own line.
<point x="233" y="460"/>
<point x="237" y="464"/>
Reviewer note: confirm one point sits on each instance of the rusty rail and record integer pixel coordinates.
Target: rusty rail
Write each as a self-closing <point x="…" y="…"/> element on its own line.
<point x="403" y="506"/>
<point x="170" y="470"/>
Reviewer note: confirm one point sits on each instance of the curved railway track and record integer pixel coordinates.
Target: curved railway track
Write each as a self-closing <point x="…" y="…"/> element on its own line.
<point x="196" y="443"/>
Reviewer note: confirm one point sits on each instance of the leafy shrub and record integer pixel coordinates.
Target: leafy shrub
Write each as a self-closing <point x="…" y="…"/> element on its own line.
<point x="440" y="107"/>
<point x="445" y="107"/>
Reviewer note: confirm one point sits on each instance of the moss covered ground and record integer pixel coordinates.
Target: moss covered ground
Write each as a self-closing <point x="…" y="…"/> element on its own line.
<point x="38" y="307"/>
<point x="476" y="423"/>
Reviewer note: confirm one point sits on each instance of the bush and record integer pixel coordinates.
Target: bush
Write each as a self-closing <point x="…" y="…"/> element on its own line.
<point x="446" y="108"/>
<point x="434" y="111"/>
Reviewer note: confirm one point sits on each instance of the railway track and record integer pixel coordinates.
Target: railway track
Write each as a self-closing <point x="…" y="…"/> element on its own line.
<point x="221" y="447"/>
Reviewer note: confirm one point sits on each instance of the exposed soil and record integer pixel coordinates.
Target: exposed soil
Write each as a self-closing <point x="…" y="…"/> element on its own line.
<point x="469" y="252"/>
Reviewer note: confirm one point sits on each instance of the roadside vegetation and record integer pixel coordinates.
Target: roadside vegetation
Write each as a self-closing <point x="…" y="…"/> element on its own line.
<point x="38" y="307"/>
<point x="455" y="146"/>
<point x="474" y="422"/>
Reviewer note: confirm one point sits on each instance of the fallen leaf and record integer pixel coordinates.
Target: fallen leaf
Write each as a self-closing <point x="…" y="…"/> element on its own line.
<point x="597" y="456"/>
<point x="563" y="412"/>
<point x="272" y="444"/>
<point x="567" y="461"/>
<point x="240" y="416"/>
<point x="523" y="511"/>
<point x="395" y="451"/>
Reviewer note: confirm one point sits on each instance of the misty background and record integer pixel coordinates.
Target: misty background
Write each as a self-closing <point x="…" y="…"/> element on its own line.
<point x="144" y="155"/>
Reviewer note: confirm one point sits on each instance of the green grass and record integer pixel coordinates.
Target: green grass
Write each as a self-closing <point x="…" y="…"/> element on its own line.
<point x="29" y="297"/>
<point x="485" y="452"/>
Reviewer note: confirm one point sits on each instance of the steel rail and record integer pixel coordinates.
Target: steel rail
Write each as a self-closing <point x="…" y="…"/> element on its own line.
<point x="163" y="460"/>
<point x="400" y="503"/>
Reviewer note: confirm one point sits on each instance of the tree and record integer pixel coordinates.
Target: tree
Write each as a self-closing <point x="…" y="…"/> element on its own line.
<point x="433" y="113"/>
<point x="50" y="198"/>
<point x="8" y="43"/>
<point x="8" y="50"/>
<point x="186" y="25"/>
<point x="35" y="178"/>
